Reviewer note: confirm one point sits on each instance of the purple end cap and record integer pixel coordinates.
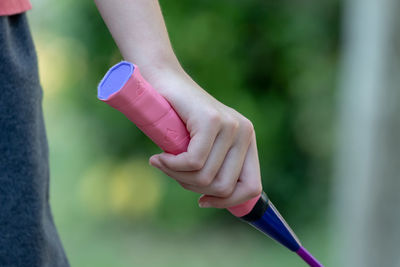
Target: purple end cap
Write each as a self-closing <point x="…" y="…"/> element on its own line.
<point x="307" y="257"/>
<point x="115" y="79"/>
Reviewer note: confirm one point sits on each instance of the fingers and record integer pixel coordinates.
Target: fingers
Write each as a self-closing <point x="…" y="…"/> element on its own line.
<point x="184" y="177"/>
<point x="247" y="187"/>
<point x="206" y="175"/>
<point x="198" y="150"/>
<point x="219" y="175"/>
<point x="221" y="162"/>
<point x="228" y="174"/>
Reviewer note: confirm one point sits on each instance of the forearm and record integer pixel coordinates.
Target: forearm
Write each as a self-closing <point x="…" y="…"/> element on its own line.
<point x="139" y="31"/>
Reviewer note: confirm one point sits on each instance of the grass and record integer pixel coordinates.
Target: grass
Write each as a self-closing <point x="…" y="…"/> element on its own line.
<point x="104" y="241"/>
<point x="212" y="245"/>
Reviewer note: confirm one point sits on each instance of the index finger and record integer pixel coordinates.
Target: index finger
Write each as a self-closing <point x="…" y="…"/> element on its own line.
<point x="197" y="153"/>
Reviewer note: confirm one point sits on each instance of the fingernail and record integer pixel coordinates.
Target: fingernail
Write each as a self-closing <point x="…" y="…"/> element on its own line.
<point x="204" y="204"/>
<point x="154" y="161"/>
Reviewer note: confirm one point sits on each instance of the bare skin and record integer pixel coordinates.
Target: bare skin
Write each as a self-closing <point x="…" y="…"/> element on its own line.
<point x="221" y="162"/>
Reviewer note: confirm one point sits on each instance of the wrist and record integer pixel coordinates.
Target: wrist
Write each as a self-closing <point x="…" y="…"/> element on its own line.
<point x="160" y="73"/>
<point x="151" y="66"/>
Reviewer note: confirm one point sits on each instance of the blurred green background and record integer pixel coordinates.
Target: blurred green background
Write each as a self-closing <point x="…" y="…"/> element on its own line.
<point x="273" y="61"/>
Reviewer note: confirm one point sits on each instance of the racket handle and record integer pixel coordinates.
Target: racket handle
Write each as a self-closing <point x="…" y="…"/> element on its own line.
<point x="125" y="89"/>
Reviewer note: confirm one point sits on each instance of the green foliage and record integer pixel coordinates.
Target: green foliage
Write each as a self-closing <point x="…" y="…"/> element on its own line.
<point x="273" y="61"/>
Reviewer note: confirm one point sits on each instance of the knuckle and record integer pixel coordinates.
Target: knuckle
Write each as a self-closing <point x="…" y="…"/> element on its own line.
<point x="254" y="189"/>
<point x="235" y="125"/>
<point x="232" y="124"/>
<point x="210" y="173"/>
<point x="247" y="126"/>
<point x="223" y="190"/>
<point x="195" y="163"/>
<point x="214" y="117"/>
<point x="203" y="180"/>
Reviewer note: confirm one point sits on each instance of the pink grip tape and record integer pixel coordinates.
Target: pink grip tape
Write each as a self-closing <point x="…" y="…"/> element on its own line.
<point x="124" y="89"/>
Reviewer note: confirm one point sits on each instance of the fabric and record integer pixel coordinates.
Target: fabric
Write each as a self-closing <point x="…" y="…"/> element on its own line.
<point x="28" y="236"/>
<point x="11" y="7"/>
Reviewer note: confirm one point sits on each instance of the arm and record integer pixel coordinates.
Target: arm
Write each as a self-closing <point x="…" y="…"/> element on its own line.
<point x="138" y="28"/>
<point x="221" y="161"/>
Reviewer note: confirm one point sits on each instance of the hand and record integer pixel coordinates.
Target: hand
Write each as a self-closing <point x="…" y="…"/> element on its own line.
<point x="221" y="161"/>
